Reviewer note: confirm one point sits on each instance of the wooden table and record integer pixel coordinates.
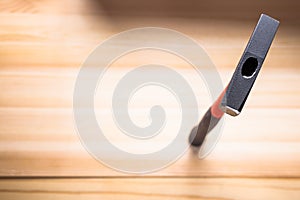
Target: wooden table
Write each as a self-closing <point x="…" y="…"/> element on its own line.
<point x="42" y="46"/>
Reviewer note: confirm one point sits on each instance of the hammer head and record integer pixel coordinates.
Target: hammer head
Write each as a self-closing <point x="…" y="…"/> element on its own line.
<point x="249" y="65"/>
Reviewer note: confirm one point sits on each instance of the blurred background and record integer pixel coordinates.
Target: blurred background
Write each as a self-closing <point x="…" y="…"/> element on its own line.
<point x="43" y="44"/>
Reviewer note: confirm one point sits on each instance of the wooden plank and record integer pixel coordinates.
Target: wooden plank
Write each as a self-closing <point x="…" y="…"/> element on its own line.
<point x="49" y="124"/>
<point x="54" y="87"/>
<point x="27" y="41"/>
<point x="227" y="160"/>
<point x="42" y="47"/>
<point x="39" y="56"/>
<point x="163" y="8"/>
<point x="66" y="39"/>
<point x="244" y="152"/>
<point x="38" y="139"/>
<point x="150" y="188"/>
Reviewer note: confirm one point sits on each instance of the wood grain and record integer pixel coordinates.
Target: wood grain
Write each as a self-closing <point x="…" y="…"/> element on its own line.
<point x="150" y="188"/>
<point x="37" y="120"/>
<point x="43" y="44"/>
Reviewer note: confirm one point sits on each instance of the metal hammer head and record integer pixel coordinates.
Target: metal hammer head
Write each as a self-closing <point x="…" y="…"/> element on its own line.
<point x="249" y="65"/>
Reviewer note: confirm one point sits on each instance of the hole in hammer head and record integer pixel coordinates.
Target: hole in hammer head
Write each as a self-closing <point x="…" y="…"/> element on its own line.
<point x="249" y="67"/>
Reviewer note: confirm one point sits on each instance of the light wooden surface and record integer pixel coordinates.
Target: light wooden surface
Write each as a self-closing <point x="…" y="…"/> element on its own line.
<point x="42" y="46"/>
<point x="150" y="188"/>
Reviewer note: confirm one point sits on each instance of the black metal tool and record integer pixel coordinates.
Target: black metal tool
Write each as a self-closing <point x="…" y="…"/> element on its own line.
<point x="233" y="98"/>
